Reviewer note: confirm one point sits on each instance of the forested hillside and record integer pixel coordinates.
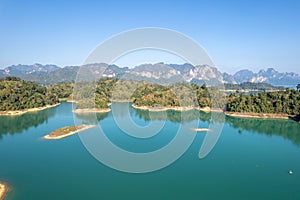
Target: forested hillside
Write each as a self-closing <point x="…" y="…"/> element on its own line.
<point x="63" y="90"/>
<point x="16" y="94"/>
<point x="252" y="86"/>
<point x="280" y="102"/>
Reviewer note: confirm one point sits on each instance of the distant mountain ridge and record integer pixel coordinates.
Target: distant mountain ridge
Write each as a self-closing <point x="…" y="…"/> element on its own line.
<point x="270" y="76"/>
<point x="22" y="70"/>
<point x="52" y="74"/>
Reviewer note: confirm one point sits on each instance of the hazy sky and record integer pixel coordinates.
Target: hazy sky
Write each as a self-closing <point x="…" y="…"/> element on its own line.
<point x="236" y="34"/>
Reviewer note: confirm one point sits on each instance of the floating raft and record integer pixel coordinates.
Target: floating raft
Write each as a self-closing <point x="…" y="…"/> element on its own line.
<point x="201" y="129"/>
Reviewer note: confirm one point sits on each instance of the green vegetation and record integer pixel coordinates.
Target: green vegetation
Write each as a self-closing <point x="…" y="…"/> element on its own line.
<point x="179" y="95"/>
<point x="64" y="131"/>
<point x="103" y="92"/>
<point x="63" y="90"/>
<point x="67" y="131"/>
<point x="252" y="86"/>
<point x="155" y="96"/>
<point x="16" y="94"/>
<point x="280" y="102"/>
<point x="93" y="95"/>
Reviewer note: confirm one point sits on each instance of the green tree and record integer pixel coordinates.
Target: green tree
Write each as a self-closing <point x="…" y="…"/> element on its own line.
<point x="298" y="87"/>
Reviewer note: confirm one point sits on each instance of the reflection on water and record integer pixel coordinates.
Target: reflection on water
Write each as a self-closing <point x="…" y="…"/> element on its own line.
<point x="287" y="129"/>
<point x="17" y="124"/>
<point x="91" y="118"/>
<point x="174" y="116"/>
<point x="232" y="167"/>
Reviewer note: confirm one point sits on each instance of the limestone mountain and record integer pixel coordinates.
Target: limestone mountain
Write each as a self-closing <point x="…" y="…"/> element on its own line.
<point x="159" y="73"/>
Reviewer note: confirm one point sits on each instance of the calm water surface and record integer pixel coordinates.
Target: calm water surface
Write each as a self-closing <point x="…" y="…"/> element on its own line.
<point x="250" y="161"/>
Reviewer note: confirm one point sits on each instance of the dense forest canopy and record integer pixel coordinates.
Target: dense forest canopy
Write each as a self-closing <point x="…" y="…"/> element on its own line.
<point x="252" y="86"/>
<point x="62" y="90"/>
<point x="105" y="91"/>
<point x="183" y="94"/>
<point x="281" y="102"/>
<point x="16" y="94"/>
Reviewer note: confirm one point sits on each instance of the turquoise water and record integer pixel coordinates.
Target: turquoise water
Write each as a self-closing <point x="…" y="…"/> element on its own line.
<point x="251" y="160"/>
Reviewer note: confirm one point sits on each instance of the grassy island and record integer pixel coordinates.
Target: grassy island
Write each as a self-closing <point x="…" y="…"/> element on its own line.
<point x="67" y="131"/>
<point x="3" y="190"/>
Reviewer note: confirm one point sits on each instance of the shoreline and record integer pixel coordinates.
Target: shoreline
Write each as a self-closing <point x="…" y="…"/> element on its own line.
<point x="92" y="110"/>
<point x="176" y="108"/>
<point x="50" y="137"/>
<point x="21" y="112"/>
<point x="259" y="115"/>
<point x="70" y="101"/>
<point x="208" y="109"/>
<point x="3" y="190"/>
<point x="159" y="109"/>
<point x="232" y="114"/>
<point x="121" y="101"/>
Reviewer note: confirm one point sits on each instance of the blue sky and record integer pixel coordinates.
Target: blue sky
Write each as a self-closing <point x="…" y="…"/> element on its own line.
<point x="236" y="34"/>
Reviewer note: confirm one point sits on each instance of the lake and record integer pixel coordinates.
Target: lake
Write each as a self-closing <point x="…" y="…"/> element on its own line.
<point x="251" y="159"/>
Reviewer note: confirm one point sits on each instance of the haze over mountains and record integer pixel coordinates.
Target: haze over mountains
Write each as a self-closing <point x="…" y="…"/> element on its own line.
<point x="52" y="74"/>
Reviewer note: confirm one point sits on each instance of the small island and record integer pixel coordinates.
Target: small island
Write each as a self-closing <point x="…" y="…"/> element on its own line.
<point x="67" y="131"/>
<point x="3" y="190"/>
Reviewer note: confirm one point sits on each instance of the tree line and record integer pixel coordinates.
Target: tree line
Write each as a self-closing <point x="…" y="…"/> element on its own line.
<point x="16" y="94"/>
<point x="281" y="102"/>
